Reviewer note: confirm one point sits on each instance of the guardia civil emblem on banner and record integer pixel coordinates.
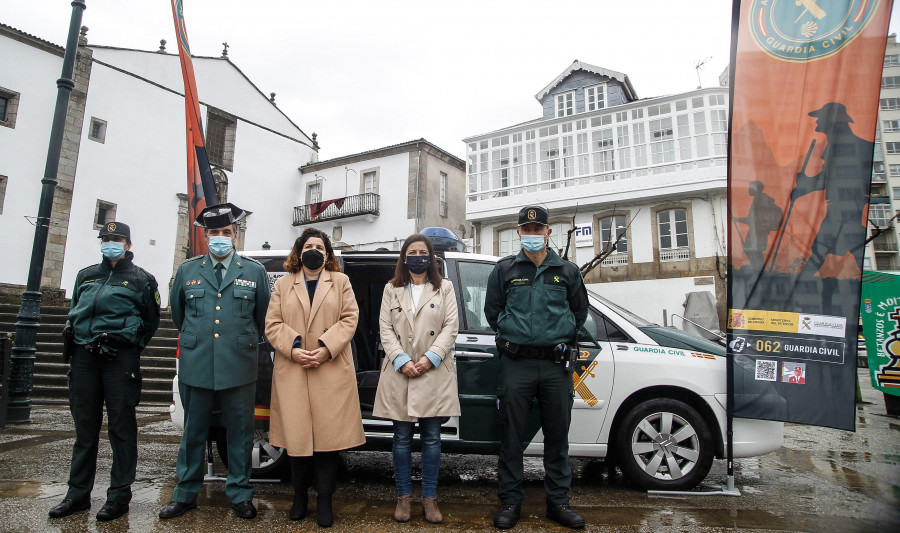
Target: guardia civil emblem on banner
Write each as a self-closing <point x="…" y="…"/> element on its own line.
<point x="807" y="30"/>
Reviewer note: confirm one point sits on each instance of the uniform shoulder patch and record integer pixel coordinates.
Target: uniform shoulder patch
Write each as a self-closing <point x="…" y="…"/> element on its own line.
<point x="193" y="258"/>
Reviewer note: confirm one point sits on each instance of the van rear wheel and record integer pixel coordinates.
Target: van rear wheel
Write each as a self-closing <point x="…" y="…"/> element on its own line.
<point x="664" y="444"/>
<point x="269" y="462"/>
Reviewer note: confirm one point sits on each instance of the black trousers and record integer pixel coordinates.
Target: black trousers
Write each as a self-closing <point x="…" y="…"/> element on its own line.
<point x="318" y="471"/>
<point x="521" y="381"/>
<point x="93" y="381"/>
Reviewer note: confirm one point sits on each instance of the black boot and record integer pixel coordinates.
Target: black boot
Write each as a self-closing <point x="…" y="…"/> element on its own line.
<point x="301" y="469"/>
<point x="323" y="510"/>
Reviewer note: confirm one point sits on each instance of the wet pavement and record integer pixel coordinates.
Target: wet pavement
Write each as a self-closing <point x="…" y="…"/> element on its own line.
<point x="820" y="480"/>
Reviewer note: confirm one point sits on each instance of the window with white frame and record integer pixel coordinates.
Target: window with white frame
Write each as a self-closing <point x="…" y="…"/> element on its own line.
<point x="369" y="182"/>
<point x="518" y="171"/>
<point x="892" y="60"/>
<point x="558" y="235"/>
<point x="889" y="104"/>
<point x="483" y="174"/>
<point x="568" y="156"/>
<point x="892" y="148"/>
<point x="878" y="174"/>
<point x="720" y="143"/>
<point x="894" y="170"/>
<point x="603" y="153"/>
<point x="660" y="129"/>
<point x="896" y="193"/>
<point x="673" y="235"/>
<point x="624" y="157"/>
<point x="595" y="97"/>
<point x="500" y="170"/>
<point x="638" y="131"/>
<point x="880" y="214"/>
<point x="659" y="109"/>
<point x="662" y="152"/>
<point x="565" y="104"/>
<point x="699" y="123"/>
<point x="702" y="143"/>
<point x="549" y="159"/>
<point x="640" y="156"/>
<point x="717" y="99"/>
<point x="473" y="175"/>
<point x="890" y="82"/>
<point x="697" y="102"/>
<point x="719" y="119"/>
<point x="443" y="194"/>
<point x="508" y="242"/>
<point x="313" y="193"/>
<point x="611" y="229"/>
<point x="531" y="164"/>
<point x="583" y="158"/>
<point x="891" y="125"/>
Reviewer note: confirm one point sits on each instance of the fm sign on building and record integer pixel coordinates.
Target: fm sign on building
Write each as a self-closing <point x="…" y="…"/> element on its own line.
<point x="584" y="235"/>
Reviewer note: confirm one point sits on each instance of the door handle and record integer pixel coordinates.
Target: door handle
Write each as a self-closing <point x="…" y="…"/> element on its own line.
<point x="474" y="355"/>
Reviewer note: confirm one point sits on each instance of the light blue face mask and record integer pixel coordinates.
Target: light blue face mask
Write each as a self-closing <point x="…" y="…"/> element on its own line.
<point x="112" y="250"/>
<point x="220" y="246"/>
<point x="533" y="243"/>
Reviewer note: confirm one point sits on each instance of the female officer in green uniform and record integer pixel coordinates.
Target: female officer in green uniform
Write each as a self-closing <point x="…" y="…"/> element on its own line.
<point x="114" y="314"/>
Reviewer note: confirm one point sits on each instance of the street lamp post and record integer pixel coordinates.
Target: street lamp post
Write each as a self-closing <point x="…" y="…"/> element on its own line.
<point x="24" y="346"/>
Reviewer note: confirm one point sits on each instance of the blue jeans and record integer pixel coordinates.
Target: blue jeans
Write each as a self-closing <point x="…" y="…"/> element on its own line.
<point x="430" y="436"/>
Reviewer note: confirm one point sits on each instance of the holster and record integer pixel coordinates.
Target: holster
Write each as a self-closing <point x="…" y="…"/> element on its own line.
<point x="68" y="335"/>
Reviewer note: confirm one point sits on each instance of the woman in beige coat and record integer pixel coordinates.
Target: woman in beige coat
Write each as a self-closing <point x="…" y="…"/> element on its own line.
<point x="418" y="379"/>
<point x="315" y="405"/>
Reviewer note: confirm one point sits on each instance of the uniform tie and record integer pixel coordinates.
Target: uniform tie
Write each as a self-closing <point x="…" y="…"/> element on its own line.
<point x="219" y="268"/>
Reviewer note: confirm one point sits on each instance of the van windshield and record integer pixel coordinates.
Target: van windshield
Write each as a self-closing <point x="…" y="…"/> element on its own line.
<point x="626" y="314"/>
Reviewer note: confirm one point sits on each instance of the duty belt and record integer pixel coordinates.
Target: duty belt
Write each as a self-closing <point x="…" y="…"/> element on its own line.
<point x="518" y="351"/>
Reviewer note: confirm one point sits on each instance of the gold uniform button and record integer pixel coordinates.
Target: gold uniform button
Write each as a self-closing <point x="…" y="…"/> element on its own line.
<point x="219" y="295"/>
<point x="216" y="335"/>
<point x="192" y="297"/>
<point x="218" y="308"/>
<point x="217" y="321"/>
<point x="245" y="296"/>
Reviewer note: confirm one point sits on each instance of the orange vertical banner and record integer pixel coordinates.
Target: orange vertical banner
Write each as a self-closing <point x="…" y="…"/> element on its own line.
<point x="804" y="93"/>
<point x="201" y="189"/>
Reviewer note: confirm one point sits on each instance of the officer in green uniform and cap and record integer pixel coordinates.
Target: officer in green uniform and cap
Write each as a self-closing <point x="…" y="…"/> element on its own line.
<point x="219" y="303"/>
<point x="114" y="314"/>
<point x="535" y="302"/>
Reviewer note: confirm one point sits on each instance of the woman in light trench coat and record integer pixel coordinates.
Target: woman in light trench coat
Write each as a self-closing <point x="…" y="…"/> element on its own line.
<point x="418" y="324"/>
<point x="315" y="410"/>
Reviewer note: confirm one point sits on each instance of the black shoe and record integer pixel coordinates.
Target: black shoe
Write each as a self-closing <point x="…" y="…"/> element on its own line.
<point x="244" y="509"/>
<point x="562" y="513"/>
<point x="507" y="515"/>
<point x="176" y="509"/>
<point x="298" y="510"/>
<point x="111" y="511"/>
<point x="68" y="507"/>
<point x="323" y="511"/>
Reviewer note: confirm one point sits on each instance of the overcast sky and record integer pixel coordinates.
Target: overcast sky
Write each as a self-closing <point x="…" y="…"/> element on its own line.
<point x="364" y="74"/>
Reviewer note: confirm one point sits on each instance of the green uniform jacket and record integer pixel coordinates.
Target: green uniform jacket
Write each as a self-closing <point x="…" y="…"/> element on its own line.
<point x="220" y="326"/>
<point x="123" y="300"/>
<point x="535" y="306"/>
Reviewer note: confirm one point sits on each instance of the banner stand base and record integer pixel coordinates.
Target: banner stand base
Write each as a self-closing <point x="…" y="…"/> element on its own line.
<point x="718" y="490"/>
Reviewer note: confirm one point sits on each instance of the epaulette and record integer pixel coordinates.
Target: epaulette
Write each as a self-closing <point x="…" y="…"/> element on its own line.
<point x="87" y="267"/>
<point x="248" y="258"/>
<point x="508" y="258"/>
<point x="193" y="258"/>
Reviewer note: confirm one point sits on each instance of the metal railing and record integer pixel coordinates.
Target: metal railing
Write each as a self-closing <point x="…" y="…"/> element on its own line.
<point x="885" y="242"/>
<point x="351" y="206"/>
<point x="674" y="254"/>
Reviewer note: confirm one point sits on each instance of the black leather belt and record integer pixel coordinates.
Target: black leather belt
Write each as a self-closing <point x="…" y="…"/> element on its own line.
<point x="518" y="351"/>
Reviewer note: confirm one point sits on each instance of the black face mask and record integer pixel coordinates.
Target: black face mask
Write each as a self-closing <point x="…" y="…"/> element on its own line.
<point x="418" y="263"/>
<point x="312" y="259"/>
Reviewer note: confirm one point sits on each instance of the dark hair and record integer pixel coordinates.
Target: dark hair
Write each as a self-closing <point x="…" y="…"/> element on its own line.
<point x="293" y="264"/>
<point x="401" y="273"/>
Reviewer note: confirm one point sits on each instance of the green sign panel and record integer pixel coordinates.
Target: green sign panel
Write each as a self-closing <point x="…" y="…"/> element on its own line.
<point x="880" y="313"/>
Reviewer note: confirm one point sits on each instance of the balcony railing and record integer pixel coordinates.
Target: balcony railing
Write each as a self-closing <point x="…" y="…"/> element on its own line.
<point x="674" y="254"/>
<point x="885" y="243"/>
<point x="351" y="206"/>
<point x="619" y="259"/>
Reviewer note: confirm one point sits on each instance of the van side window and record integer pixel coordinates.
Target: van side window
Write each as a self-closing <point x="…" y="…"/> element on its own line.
<point x="473" y="278"/>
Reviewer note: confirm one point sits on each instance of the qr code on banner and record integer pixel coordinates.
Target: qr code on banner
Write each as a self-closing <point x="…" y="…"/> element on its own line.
<point x="766" y="370"/>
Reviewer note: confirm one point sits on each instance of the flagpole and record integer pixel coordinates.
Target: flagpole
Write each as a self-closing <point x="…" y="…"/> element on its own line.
<point x="25" y="343"/>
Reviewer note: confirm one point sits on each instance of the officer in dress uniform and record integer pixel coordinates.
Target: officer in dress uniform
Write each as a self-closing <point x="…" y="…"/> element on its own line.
<point x="219" y="303"/>
<point x="114" y="314"/>
<point x="535" y="301"/>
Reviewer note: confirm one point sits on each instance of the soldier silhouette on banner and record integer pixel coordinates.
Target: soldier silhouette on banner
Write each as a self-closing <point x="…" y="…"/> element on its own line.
<point x="763" y="218"/>
<point x="845" y="178"/>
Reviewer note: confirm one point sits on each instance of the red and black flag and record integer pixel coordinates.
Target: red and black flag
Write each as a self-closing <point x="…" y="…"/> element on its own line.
<point x="201" y="189"/>
<point x="805" y="81"/>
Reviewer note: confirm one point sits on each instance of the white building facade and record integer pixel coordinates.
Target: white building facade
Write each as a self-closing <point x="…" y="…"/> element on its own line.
<point x="375" y="199"/>
<point x="882" y="251"/>
<point x="124" y="155"/>
<point x="651" y="170"/>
